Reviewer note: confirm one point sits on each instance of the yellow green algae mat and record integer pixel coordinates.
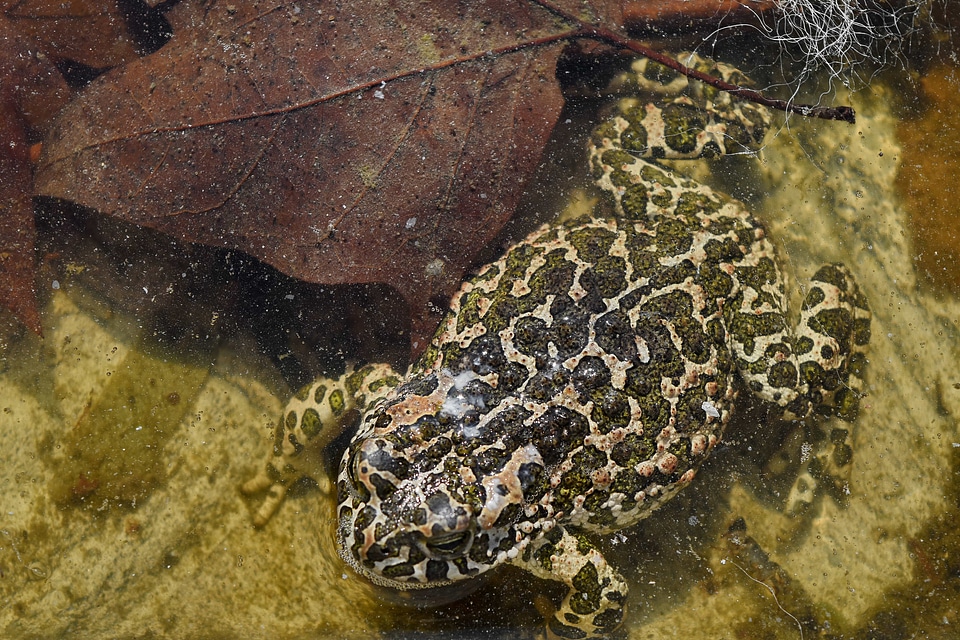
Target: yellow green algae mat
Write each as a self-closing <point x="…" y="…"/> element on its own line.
<point x="120" y="514"/>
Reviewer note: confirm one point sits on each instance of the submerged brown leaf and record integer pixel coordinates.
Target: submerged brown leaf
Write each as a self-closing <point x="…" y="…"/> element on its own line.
<point x="379" y="142"/>
<point x="17" y="233"/>
<point x="91" y="32"/>
<point x="34" y="33"/>
<point x="31" y="90"/>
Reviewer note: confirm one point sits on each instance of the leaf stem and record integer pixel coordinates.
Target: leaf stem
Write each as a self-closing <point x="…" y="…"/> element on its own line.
<point x="602" y="34"/>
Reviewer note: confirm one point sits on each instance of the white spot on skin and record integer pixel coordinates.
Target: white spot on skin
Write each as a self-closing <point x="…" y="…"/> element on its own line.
<point x="457" y="402"/>
<point x="643" y="352"/>
<point x="710" y="410"/>
<point x="667" y="436"/>
<point x="601" y="477"/>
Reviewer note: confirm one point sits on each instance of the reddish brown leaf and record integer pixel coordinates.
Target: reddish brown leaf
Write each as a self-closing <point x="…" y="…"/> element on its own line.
<point x="30" y="91"/>
<point x="380" y="142"/>
<point x="16" y="221"/>
<point x="691" y="14"/>
<point x="377" y="141"/>
<point x="91" y="32"/>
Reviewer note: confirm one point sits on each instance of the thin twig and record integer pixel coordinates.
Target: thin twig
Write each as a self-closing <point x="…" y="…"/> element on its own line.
<point x="842" y="113"/>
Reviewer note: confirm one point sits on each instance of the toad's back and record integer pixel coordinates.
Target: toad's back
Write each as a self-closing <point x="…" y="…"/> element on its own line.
<point x="578" y="380"/>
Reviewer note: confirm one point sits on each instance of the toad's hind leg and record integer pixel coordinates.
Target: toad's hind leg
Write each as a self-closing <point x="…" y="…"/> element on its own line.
<point x="830" y="343"/>
<point x="815" y="368"/>
<point x="312" y="419"/>
<point x="814" y="371"/>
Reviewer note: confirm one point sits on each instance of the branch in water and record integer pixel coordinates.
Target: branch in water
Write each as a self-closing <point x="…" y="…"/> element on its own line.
<point x="595" y="32"/>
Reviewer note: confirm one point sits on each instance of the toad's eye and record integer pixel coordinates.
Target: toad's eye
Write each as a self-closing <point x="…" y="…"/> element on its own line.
<point x="449" y="543"/>
<point x="353" y="483"/>
<point x="358" y="465"/>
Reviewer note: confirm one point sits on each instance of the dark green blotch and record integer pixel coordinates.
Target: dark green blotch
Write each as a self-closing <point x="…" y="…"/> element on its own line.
<point x="586" y="599"/>
<point x="812" y="374"/>
<point x="783" y="374"/>
<point x="608" y="620"/>
<point x="634" y="201"/>
<point x="682" y="124"/>
<point x="722" y="250"/>
<point x="814" y="297"/>
<point x="533" y="482"/>
<point x="530" y="336"/>
<point x="659" y="74"/>
<point x="673" y="237"/>
<point x="544" y="555"/>
<point x="553" y="277"/>
<point x="847" y="404"/>
<point x="436" y="570"/>
<point x="628" y="453"/>
<point x="832" y="274"/>
<point x="319" y="393"/>
<point x="558" y="431"/>
<point x="835" y="323"/>
<point x="611" y="409"/>
<point x="861" y="332"/>
<point x="764" y="273"/>
<point x="508" y="516"/>
<point x="615" y="336"/>
<point x="802" y="345"/>
<point x="590" y="373"/>
<point x="634" y="138"/>
<point x="607" y="276"/>
<point x="561" y="630"/>
<point x="382" y="486"/>
<point x="398" y="570"/>
<point x="337" y="402"/>
<point x="653" y="175"/>
<point x="857" y="365"/>
<point x="570" y="328"/>
<point x="605" y="130"/>
<point x="578" y="481"/>
<point x="383" y="461"/>
<point x="592" y="243"/>
<point x="310" y="423"/>
<point x="547" y="385"/>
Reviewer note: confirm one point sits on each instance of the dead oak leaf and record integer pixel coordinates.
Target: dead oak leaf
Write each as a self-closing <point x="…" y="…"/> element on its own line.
<point x="33" y="34"/>
<point x="91" y="32"/>
<point x="30" y="91"/>
<point x="377" y="142"/>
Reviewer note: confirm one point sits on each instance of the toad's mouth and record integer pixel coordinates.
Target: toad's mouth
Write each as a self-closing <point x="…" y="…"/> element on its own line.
<point x="405" y="561"/>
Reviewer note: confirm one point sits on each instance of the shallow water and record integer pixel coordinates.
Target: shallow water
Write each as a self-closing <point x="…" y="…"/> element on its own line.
<point x="134" y="526"/>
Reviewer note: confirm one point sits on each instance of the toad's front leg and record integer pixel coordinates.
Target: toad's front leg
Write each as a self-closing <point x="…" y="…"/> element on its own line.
<point x="593" y="606"/>
<point x="312" y="419"/>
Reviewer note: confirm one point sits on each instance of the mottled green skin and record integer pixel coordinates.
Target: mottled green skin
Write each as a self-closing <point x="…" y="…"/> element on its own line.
<point x="578" y="382"/>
